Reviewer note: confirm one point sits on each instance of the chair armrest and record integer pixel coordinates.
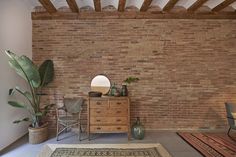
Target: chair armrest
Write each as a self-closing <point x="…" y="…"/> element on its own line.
<point x="60" y="108"/>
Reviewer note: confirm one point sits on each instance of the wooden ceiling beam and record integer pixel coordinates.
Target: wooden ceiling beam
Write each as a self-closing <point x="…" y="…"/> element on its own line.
<point x="170" y="5"/>
<point x="196" y="5"/>
<point x="47" y="4"/>
<point x="146" y="4"/>
<point x="97" y="5"/>
<point x="121" y="6"/>
<point x="223" y="5"/>
<point x="129" y="15"/>
<point x="73" y="6"/>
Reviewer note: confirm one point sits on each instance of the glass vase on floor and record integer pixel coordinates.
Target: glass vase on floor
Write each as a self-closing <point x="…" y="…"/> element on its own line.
<point x="137" y="130"/>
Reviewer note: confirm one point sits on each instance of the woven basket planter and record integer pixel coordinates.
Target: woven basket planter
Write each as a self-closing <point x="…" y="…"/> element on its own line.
<point x="38" y="135"/>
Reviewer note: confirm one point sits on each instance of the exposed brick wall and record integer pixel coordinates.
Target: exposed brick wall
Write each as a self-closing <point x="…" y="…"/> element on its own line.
<point x="187" y="68"/>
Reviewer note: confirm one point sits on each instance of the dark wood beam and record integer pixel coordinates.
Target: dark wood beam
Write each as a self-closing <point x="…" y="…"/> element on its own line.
<point x="170" y="5"/>
<point x="121" y="6"/>
<point x="146" y="4"/>
<point x="73" y="6"/>
<point x="47" y="4"/>
<point x="97" y="5"/>
<point x="222" y="5"/>
<point x="129" y="15"/>
<point x="196" y="5"/>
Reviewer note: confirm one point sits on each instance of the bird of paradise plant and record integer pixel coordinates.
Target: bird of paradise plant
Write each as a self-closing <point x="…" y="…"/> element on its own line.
<point x="36" y="78"/>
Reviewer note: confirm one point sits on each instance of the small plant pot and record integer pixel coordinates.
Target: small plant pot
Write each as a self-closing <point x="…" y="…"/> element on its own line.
<point x="38" y="135"/>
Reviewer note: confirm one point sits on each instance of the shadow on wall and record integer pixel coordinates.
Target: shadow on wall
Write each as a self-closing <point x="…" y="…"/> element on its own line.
<point x="216" y="113"/>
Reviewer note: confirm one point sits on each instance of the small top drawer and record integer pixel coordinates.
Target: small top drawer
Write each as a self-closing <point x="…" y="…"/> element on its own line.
<point x="118" y="103"/>
<point x="99" y="104"/>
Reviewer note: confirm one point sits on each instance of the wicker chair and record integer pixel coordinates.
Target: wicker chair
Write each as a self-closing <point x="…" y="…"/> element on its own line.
<point x="231" y="111"/>
<point x="72" y="108"/>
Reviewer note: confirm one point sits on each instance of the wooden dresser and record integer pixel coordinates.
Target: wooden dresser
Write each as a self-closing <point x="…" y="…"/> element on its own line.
<point x="109" y="115"/>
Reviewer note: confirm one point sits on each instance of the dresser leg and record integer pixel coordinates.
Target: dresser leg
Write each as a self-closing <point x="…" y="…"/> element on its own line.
<point x="128" y="134"/>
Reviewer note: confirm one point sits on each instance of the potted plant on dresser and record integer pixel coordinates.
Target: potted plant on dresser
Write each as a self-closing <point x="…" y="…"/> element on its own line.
<point x="36" y="78"/>
<point x="128" y="80"/>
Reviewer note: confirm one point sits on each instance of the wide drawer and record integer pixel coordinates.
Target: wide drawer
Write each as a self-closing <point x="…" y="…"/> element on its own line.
<point x="99" y="104"/>
<point x="104" y="129"/>
<point x="116" y="112"/>
<point x="106" y="120"/>
<point x="97" y="112"/>
<point x="119" y="104"/>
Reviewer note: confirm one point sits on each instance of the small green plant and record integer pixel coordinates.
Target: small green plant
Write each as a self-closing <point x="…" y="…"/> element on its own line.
<point x="36" y="78"/>
<point x="130" y="80"/>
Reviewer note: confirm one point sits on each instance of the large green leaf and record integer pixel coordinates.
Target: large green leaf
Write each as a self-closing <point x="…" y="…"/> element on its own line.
<point x="25" y="93"/>
<point x="25" y="68"/>
<point x="46" y="71"/>
<point x="16" y="104"/>
<point x="21" y="120"/>
<point x="39" y="114"/>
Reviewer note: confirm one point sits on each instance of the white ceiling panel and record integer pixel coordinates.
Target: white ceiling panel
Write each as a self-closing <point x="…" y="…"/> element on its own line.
<point x="233" y="5"/>
<point x="59" y="3"/>
<point x="136" y="3"/>
<point x="114" y="3"/>
<point x="212" y="3"/>
<point x="85" y="3"/>
<point x="185" y="3"/>
<point x="34" y="3"/>
<point x="159" y="3"/>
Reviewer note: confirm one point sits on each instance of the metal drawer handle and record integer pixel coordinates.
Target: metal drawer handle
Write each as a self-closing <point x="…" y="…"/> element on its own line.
<point x="118" y="120"/>
<point x="98" y="128"/>
<point x="118" y="128"/>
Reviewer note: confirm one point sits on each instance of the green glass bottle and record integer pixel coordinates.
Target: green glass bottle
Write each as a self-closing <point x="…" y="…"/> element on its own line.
<point x="137" y="130"/>
<point x="113" y="89"/>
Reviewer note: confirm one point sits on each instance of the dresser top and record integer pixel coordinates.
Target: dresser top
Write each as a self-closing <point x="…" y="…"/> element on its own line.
<point x="109" y="97"/>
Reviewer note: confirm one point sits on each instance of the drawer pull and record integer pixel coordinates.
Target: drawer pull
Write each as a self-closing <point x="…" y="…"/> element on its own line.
<point x="98" y="111"/>
<point x="118" y="128"/>
<point x="118" y="103"/>
<point x="118" y="111"/>
<point x="118" y="120"/>
<point x="98" y="103"/>
<point x="98" y="120"/>
<point x="98" y="128"/>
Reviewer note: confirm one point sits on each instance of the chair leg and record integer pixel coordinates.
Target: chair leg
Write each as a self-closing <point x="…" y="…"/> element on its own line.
<point x="80" y="131"/>
<point x="228" y="133"/>
<point x="57" y="130"/>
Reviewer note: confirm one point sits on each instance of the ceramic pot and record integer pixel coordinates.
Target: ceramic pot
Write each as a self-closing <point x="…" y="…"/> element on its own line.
<point x="137" y="130"/>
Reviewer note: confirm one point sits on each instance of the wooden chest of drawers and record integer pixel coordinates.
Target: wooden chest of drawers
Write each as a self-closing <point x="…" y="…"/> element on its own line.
<point x="109" y="115"/>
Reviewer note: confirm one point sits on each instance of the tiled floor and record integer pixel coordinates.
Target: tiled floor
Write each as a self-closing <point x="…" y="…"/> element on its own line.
<point x="170" y="140"/>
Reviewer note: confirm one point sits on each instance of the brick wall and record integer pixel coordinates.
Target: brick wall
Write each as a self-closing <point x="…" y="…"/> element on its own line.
<point x="187" y="68"/>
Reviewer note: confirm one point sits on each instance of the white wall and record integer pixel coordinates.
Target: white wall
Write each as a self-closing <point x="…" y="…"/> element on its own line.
<point x="15" y="35"/>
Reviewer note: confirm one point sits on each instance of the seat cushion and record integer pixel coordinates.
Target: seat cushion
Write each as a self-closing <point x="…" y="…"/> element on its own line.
<point x="67" y="120"/>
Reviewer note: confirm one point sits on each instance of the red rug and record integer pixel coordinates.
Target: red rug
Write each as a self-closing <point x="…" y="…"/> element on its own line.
<point x="211" y="144"/>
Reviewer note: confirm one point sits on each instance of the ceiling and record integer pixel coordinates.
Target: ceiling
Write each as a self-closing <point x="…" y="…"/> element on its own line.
<point x="132" y="3"/>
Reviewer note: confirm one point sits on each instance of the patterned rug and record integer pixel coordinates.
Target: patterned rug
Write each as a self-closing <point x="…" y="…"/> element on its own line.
<point x="103" y="150"/>
<point x="211" y="144"/>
